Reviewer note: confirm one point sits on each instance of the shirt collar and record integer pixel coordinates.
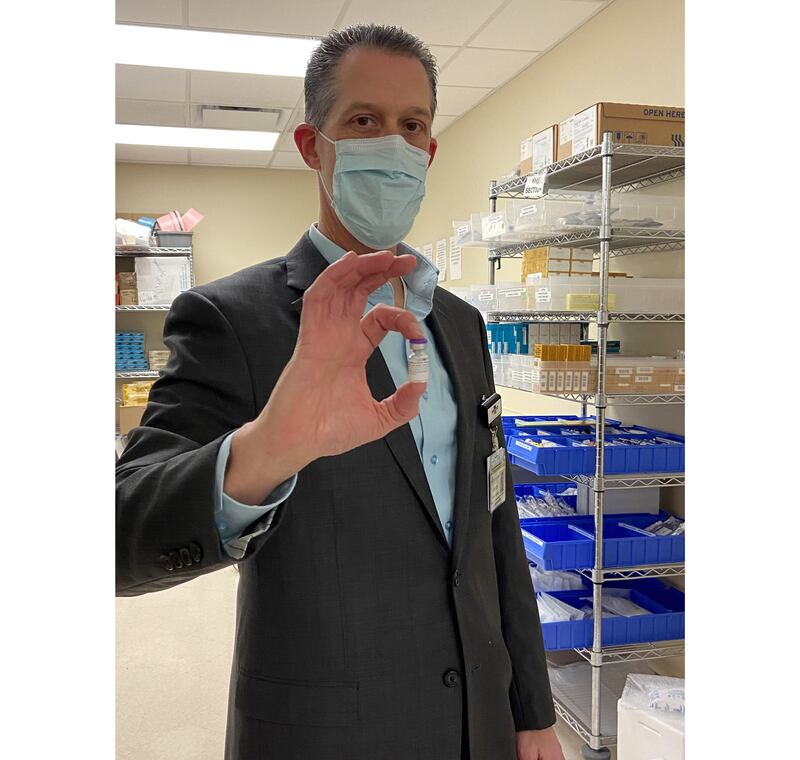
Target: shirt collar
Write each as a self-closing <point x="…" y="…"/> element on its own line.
<point x="420" y="283"/>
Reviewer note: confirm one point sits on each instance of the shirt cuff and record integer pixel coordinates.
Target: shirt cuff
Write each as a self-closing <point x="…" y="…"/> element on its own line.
<point x="231" y="516"/>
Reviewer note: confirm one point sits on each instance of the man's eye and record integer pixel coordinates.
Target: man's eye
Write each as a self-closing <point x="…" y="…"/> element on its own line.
<point x="363" y="121"/>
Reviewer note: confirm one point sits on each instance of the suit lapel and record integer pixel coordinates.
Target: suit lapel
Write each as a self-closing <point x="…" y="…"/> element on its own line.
<point x="304" y="264"/>
<point x="450" y="345"/>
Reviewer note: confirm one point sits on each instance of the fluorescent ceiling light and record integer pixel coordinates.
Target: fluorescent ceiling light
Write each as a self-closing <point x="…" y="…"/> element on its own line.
<point x="186" y="137"/>
<point x="212" y="51"/>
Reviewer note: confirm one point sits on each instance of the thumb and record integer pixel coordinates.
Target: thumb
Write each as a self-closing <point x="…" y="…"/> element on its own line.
<point x="401" y="406"/>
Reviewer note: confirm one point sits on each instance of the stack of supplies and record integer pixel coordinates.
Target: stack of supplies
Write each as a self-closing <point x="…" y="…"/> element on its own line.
<point x="130" y="352"/>
<point x="643" y="374"/>
<point x="158" y="358"/>
<point x="565" y="261"/>
<point x="561" y="368"/>
<point x="134" y="402"/>
<point x="126" y="286"/>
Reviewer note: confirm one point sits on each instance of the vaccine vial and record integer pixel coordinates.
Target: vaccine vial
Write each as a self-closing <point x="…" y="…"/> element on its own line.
<point x="418" y="361"/>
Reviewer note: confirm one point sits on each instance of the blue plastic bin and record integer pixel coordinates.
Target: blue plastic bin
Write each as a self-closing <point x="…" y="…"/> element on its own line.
<point x="567" y="543"/>
<point x="666" y="621"/>
<point x="539" y="489"/>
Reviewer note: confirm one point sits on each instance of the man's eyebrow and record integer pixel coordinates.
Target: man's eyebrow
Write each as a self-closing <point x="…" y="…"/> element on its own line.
<point x="364" y="106"/>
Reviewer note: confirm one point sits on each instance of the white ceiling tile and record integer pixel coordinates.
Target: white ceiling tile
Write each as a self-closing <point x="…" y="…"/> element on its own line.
<point x="152" y="154"/>
<point x="150" y="83"/>
<point x="535" y="24"/>
<point x="209" y="157"/>
<point x="151" y="11"/>
<point x="484" y="68"/>
<point x="286" y="141"/>
<point x="453" y="101"/>
<point x="442" y="54"/>
<point x="311" y="18"/>
<point x="221" y="88"/>
<point x="157" y="112"/>
<point x="440" y="123"/>
<point x="288" y="160"/>
<point x="444" y="22"/>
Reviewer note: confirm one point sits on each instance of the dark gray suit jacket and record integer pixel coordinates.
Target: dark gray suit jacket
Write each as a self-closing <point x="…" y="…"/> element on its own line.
<point x="359" y="634"/>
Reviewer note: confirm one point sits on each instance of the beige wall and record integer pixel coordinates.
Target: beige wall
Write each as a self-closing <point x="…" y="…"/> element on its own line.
<point x="251" y="215"/>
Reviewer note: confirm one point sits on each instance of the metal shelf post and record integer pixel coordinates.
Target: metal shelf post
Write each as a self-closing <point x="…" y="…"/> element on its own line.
<point x="492" y="209"/>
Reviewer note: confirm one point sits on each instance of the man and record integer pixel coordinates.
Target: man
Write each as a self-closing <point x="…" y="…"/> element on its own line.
<point x="383" y="610"/>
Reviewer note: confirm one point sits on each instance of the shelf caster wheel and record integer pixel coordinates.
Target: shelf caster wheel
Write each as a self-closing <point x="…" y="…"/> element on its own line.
<point x="587" y="753"/>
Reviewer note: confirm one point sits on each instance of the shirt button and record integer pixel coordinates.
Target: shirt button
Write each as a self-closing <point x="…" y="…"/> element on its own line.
<point x="434" y="459"/>
<point x="222" y="525"/>
<point x="449" y="525"/>
<point x="425" y="395"/>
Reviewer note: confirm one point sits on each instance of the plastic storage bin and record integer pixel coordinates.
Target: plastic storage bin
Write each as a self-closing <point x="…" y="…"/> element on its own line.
<point x="666" y="619"/>
<point x="568" y="293"/>
<point x="539" y="489"/>
<point x="575" y="455"/>
<point x="568" y="543"/>
<point x="484" y="297"/>
<point x="173" y="239"/>
<point x="512" y="297"/>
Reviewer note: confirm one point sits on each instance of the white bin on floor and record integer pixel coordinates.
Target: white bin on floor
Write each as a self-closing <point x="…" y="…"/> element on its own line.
<point x="645" y="732"/>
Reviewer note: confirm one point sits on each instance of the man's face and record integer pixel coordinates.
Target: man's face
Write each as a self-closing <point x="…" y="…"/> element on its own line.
<point x="377" y="94"/>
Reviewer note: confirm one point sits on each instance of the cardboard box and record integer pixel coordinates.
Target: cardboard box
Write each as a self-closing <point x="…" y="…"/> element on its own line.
<point x="538" y="151"/>
<point x="128" y="297"/>
<point x="628" y="123"/>
<point x="127" y="280"/>
<point x="161" y="278"/>
<point x="130" y="417"/>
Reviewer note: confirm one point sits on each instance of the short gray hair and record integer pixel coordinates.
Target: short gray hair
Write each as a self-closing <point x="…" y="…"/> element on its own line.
<point x="320" y="90"/>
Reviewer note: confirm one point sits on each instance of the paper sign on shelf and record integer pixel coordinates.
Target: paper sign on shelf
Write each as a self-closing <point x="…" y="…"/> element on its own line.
<point x="534" y="185"/>
<point x="441" y="258"/>
<point x="455" y="260"/>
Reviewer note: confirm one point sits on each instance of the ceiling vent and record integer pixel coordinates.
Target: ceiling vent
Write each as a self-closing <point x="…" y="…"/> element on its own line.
<point x="241" y="117"/>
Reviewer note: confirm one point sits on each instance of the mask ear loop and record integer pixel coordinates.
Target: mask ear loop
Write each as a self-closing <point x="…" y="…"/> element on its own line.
<point x="319" y="173"/>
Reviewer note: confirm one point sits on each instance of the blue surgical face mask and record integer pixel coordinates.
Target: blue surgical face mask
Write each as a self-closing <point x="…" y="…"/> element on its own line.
<point x="378" y="186"/>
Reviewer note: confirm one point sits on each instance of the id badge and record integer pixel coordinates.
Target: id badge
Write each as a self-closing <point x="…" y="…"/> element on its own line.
<point x="496" y="478"/>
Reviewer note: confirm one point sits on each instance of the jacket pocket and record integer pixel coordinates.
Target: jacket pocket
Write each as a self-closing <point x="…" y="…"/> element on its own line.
<point x="297" y="703"/>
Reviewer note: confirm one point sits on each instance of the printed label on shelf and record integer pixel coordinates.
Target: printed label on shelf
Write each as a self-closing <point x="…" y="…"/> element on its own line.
<point x="493" y="225"/>
<point x="681" y="370"/>
<point x="463" y="230"/>
<point x="534" y="185"/>
<point x="585" y="381"/>
<point x="513" y="292"/>
<point x="644" y="370"/>
<point x="543" y="295"/>
<point x="542" y="150"/>
<point x="643" y="379"/>
<point x="528" y="210"/>
<point x="680" y="388"/>
<point x="486" y="295"/>
<point x="568" y="381"/>
<point x="524" y="446"/>
<point x="623" y="371"/>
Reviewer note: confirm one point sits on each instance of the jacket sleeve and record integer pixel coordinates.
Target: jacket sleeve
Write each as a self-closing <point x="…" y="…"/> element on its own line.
<point x="530" y="696"/>
<point x="166" y="533"/>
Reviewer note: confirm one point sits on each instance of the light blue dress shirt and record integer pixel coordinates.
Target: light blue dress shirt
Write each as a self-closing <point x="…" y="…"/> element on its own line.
<point x="434" y="429"/>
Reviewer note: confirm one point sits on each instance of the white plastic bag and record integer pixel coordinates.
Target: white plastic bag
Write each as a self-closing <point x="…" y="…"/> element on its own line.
<point x="552" y="610"/>
<point x="555" y="580"/>
<point x="655" y="693"/>
<point x="131" y="233"/>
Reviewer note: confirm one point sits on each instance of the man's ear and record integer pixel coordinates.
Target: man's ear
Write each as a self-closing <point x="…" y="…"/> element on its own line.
<point x="305" y="138"/>
<point x="431" y="149"/>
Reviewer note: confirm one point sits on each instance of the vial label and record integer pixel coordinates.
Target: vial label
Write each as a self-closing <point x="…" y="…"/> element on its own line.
<point x="418" y="369"/>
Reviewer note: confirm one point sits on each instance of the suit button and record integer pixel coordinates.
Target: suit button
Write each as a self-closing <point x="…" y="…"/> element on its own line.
<point x="166" y="562"/>
<point x="185" y="558"/>
<point x="451" y="679"/>
<point x="196" y="552"/>
<point x="176" y="560"/>
<point x="457" y="577"/>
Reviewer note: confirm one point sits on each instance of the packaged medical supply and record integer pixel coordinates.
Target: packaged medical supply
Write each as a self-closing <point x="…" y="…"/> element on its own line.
<point x="555" y="580"/>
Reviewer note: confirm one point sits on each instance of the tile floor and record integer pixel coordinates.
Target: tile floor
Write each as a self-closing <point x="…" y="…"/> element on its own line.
<point x="173" y="664"/>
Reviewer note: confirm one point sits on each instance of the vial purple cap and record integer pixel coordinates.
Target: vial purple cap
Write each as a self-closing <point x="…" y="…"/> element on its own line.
<point x="419" y="341"/>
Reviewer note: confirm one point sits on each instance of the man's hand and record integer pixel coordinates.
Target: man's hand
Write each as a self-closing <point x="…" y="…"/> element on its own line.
<point x="321" y="404"/>
<point x="539" y="745"/>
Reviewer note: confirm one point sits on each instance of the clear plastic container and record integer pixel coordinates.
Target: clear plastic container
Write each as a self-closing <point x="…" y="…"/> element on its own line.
<point x="656" y="295"/>
<point x="469" y="230"/>
<point x="551" y="293"/>
<point x="512" y="296"/>
<point x="484" y="297"/>
<point x="578" y="210"/>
